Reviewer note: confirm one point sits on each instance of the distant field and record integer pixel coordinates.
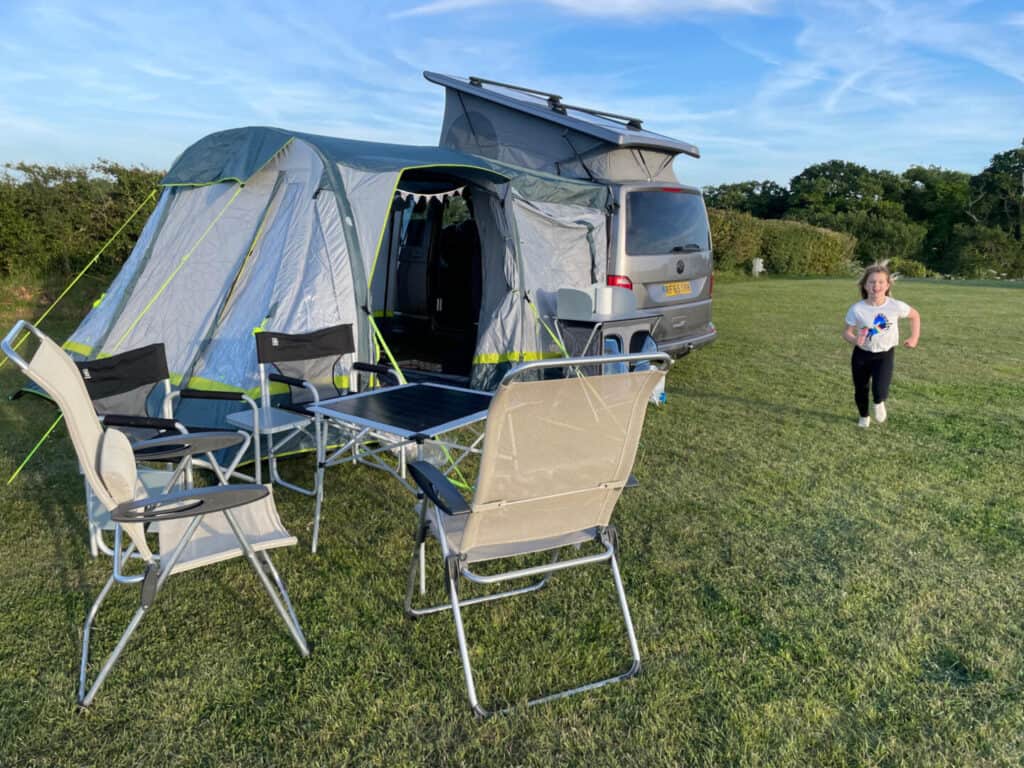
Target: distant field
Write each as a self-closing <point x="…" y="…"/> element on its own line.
<point x="805" y="593"/>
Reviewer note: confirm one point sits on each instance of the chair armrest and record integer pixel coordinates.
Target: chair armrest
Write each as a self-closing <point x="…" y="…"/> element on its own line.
<point x="438" y="488"/>
<point x="385" y="373"/>
<point x="204" y="394"/>
<point x="147" y="422"/>
<point x="290" y="381"/>
<point x="188" y="503"/>
<point x="180" y="445"/>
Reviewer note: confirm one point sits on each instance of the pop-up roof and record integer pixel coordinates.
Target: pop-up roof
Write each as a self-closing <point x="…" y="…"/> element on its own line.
<point x="538" y="130"/>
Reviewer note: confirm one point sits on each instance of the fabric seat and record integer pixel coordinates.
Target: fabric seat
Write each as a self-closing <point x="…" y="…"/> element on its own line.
<point x="557" y="455"/>
<point x="132" y="392"/>
<point x="194" y="527"/>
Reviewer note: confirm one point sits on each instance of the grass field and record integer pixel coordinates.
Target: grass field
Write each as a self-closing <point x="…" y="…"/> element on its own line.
<point x="805" y="593"/>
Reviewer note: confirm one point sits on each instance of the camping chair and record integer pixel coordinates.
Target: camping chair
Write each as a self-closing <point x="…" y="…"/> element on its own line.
<point x="195" y="527"/>
<point x="126" y="390"/>
<point x="309" y="365"/>
<point x="557" y="454"/>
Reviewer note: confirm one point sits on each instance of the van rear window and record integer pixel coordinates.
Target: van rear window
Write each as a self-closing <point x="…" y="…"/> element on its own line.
<point x="660" y="221"/>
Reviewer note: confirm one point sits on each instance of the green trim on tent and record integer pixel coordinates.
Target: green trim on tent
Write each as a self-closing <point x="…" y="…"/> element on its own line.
<point x="496" y="358"/>
<point x="74" y="346"/>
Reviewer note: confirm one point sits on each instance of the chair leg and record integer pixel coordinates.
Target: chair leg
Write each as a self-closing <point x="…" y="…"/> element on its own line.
<point x="417" y="554"/>
<point x="460" y="634"/>
<point x="288" y="617"/>
<point x="279" y="583"/>
<point x="456" y="606"/>
<point x="86" y="632"/>
<point x="626" y="618"/>
<point x="320" y="435"/>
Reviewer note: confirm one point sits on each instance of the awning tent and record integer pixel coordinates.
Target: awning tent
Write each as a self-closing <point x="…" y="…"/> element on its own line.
<point x="265" y="229"/>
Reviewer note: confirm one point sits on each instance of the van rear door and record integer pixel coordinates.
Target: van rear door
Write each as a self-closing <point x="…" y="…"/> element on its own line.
<point x="665" y="245"/>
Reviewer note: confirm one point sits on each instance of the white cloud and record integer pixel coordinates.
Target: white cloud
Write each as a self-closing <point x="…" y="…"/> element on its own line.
<point x="441" y="6"/>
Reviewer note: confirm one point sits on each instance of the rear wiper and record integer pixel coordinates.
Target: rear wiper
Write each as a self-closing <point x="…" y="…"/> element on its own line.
<point x="688" y="248"/>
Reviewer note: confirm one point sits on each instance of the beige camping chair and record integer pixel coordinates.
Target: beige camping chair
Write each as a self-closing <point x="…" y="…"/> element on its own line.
<point x="194" y="527"/>
<point x="126" y="389"/>
<point x="557" y="454"/>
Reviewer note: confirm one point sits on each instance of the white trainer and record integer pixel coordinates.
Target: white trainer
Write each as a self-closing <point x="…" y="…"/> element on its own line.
<point x="864" y="422"/>
<point x="880" y="414"/>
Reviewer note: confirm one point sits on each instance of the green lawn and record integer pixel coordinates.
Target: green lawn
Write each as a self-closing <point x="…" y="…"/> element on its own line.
<point x="805" y="593"/>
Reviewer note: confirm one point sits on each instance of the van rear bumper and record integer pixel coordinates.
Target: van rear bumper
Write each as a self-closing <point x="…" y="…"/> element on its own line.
<point x="682" y="346"/>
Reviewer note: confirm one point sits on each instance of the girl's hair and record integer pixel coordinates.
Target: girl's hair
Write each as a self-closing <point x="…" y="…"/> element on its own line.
<point x="873" y="269"/>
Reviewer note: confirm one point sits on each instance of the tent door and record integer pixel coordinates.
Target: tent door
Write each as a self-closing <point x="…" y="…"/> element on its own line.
<point x="434" y="276"/>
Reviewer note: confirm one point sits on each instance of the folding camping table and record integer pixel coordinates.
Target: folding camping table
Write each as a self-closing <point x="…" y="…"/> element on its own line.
<point x="385" y="422"/>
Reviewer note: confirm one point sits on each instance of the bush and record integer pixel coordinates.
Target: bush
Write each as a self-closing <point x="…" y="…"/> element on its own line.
<point x="54" y="220"/>
<point x="794" y="248"/>
<point x="987" y="252"/>
<point x="909" y="268"/>
<point x="736" y="238"/>
<point x="787" y="247"/>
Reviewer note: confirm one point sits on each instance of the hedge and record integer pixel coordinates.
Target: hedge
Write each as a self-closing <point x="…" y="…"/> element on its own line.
<point x="787" y="247"/>
<point x="53" y="220"/>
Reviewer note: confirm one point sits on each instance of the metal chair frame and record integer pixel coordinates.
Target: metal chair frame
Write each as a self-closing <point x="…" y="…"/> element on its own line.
<point x="143" y="511"/>
<point x="439" y="501"/>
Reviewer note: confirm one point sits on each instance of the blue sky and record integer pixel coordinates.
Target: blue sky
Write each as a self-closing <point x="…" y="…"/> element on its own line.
<point x="763" y="87"/>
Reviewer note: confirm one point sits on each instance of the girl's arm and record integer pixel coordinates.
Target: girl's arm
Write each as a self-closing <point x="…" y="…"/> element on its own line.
<point x="850" y="334"/>
<point x="915" y="329"/>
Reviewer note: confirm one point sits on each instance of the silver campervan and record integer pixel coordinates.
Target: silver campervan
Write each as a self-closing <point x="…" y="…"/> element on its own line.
<point x="658" y="238"/>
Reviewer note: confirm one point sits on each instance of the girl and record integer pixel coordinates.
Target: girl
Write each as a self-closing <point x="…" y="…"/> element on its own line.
<point x="871" y="326"/>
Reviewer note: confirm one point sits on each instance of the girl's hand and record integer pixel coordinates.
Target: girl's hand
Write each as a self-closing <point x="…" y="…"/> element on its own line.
<point x="910" y="343"/>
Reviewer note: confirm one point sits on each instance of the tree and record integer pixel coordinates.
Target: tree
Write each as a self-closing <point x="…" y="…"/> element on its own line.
<point x="998" y="193"/>
<point x="938" y="199"/>
<point x="866" y="204"/>
<point x="763" y="199"/>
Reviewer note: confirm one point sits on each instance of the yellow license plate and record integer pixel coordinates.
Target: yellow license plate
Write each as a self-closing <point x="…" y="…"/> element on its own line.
<point x="679" y="288"/>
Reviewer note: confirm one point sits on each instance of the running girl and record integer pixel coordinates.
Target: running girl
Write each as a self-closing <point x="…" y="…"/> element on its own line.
<point x="871" y="326"/>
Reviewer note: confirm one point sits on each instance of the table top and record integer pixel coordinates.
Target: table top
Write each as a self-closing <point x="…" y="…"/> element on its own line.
<point x="410" y="410"/>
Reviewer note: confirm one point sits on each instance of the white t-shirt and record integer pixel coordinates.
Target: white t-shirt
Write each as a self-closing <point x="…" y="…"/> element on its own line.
<point x="877" y="330"/>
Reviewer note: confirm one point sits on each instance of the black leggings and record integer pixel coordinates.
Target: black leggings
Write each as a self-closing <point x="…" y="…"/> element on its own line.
<point x="873" y="367"/>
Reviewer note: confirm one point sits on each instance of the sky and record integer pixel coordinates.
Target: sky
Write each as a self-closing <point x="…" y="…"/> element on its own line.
<point x="764" y="88"/>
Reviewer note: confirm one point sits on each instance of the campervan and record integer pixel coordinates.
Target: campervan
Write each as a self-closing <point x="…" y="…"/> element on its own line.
<point x="657" y="237"/>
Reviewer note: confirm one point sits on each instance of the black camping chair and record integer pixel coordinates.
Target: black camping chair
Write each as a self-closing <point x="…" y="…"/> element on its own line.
<point x="312" y="367"/>
<point x="132" y="392"/>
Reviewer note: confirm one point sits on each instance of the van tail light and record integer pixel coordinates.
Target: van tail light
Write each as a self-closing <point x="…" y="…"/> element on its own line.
<point x="711" y="287"/>
<point x="620" y="281"/>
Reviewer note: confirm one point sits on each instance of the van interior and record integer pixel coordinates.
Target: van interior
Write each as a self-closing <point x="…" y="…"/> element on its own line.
<point x="427" y="282"/>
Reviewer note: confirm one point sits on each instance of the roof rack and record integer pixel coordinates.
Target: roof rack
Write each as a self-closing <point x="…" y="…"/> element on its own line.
<point x="557" y="105"/>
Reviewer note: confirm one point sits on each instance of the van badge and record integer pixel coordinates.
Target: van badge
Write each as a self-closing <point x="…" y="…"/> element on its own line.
<point x="680" y="266"/>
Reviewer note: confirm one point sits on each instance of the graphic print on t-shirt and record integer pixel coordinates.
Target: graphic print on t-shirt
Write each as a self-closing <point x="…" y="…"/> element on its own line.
<point x="880" y="323"/>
